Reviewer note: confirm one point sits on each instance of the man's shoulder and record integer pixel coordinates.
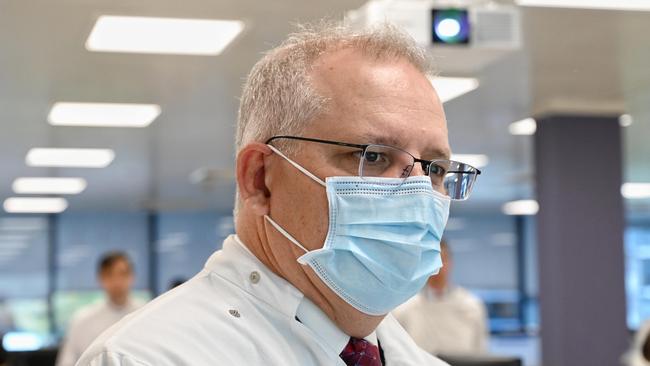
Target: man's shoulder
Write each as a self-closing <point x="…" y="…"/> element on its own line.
<point x="171" y="324"/>
<point x="467" y="298"/>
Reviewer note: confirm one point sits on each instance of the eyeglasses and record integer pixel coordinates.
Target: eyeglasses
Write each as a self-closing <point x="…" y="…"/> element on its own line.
<point x="449" y="177"/>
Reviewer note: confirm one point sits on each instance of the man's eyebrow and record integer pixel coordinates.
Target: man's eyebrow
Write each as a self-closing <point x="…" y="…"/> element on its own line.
<point x="437" y="153"/>
<point x="432" y="153"/>
<point x="381" y="140"/>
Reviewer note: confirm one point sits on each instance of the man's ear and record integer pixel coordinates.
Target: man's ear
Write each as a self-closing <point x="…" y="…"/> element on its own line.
<point x="250" y="178"/>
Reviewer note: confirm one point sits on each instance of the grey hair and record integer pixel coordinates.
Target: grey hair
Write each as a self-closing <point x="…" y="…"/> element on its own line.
<point x="278" y="96"/>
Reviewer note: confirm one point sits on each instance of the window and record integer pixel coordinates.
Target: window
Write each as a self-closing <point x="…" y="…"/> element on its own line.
<point x="24" y="277"/>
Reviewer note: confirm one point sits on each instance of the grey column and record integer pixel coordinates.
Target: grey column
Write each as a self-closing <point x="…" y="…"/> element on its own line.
<point x="580" y="240"/>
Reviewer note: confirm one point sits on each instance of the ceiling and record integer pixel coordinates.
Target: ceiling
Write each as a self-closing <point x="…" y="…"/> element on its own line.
<point x="571" y="60"/>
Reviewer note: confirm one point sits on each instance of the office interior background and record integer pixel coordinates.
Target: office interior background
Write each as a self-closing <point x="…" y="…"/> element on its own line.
<point x="164" y="192"/>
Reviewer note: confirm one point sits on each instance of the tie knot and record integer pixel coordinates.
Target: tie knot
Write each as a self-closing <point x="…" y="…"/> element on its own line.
<point x="359" y="352"/>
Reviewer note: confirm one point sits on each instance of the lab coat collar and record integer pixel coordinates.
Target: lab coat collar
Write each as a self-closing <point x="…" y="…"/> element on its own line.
<point x="237" y="264"/>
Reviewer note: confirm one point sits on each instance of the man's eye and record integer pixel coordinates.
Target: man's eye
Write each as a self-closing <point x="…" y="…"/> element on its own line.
<point x="372" y="156"/>
<point x="436" y="170"/>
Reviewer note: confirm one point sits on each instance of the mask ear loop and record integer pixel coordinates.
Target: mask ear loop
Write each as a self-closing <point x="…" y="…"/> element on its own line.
<point x="285" y="233"/>
<point x="297" y="166"/>
<point x="308" y="174"/>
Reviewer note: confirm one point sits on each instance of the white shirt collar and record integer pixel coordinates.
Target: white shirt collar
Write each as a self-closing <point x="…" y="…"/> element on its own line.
<point x="236" y="263"/>
<point x="319" y="323"/>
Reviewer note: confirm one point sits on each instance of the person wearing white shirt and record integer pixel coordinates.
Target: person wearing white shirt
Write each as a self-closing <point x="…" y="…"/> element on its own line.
<point x="343" y="190"/>
<point x="115" y="273"/>
<point x="445" y="319"/>
<point x="639" y="352"/>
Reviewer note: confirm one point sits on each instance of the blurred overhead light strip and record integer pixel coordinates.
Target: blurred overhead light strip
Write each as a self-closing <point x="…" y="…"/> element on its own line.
<point x="475" y="160"/>
<point x="449" y="88"/>
<point x="635" y="190"/>
<point x="35" y="204"/>
<point x="521" y="207"/>
<point x="103" y="114"/>
<point x="526" y="126"/>
<point x="162" y="35"/>
<point x="49" y="185"/>
<point x="640" y="5"/>
<point x="72" y="158"/>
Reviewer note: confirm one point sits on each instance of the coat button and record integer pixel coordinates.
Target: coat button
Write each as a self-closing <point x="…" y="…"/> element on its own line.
<point x="254" y="277"/>
<point x="234" y="313"/>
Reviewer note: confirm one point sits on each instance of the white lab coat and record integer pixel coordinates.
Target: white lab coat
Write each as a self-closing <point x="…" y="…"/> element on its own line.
<point x="453" y="323"/>
<point x="237" y="312"/>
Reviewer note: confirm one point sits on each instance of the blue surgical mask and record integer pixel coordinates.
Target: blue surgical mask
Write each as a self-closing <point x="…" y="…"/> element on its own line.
<point x="383" y="241"/>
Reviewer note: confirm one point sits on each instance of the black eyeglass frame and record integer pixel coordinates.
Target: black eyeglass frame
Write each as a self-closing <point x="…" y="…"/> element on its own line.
<point x="426" y="164"/>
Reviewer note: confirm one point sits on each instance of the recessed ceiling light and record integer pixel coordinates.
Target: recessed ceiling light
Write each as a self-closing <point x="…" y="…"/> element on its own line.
<point x="526" y="126"/>
<point x="49" y="185"/>
<point x="449" y="88"/>
<point x="103" y="114"/>
<point x="162" y="35"/>
<point x="625" y="120"/>
<point x="521" y="207"/>
<point x="641" y="5"/>
<point x="635" y="190"/>
<point x="475" y="160"/>
<point x="73" y="158"/>
<point x="35" y="204"/>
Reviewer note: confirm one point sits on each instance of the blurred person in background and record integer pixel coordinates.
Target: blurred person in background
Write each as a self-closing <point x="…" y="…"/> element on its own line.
<point x="445" y="319"/>
<point x="639" y="352"/>
<point x="6" y="317"/>
<point x="115" y="274"/>
<point x="175" y="282"/>
<point x="3" y="353"/>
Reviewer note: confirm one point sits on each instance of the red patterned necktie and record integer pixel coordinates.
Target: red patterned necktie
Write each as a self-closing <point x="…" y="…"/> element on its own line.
<point x="360" y="352"/>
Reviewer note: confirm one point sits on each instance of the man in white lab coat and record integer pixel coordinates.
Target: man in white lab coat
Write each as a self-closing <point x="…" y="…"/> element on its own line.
<point x="115" y="275"/>
<point x="446" y="319"/>
<point x="344" y="186"/>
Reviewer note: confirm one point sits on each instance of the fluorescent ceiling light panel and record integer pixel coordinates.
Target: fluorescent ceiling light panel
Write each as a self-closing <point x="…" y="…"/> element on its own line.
<point x="72" y="158"/>
<point x="449" y="88"/>
<point x="635" y="190"/>
<point x="521" y="207"/>
<point x="475" y="160"/>
<point x="526" y="126"/>
<point x="162" y="35"/>
<point x="49" y="185"/>
<point x="103" y="114"/>
<point x="642" y="5"/>
<point x="35" y="204"/>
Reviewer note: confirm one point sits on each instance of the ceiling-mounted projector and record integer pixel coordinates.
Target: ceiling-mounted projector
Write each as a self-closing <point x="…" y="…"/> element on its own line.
<point x="464" y="36"/>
